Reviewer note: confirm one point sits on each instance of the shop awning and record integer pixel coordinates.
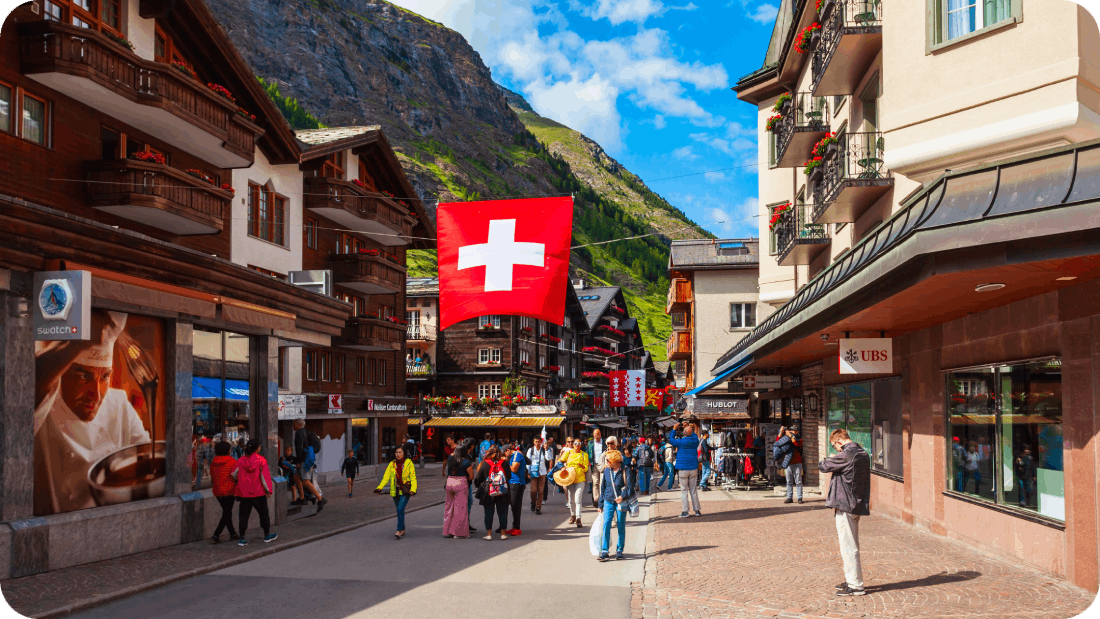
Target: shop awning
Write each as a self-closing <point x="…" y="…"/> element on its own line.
<point x="615" y="425"/>
<point x="413" y="421"/>
<point x="666" y="422"/>
<point x="529" y="422"/>
<point x="205" y="388"/>
<point x="721" y="376"/>
<point x="493" y="422"/>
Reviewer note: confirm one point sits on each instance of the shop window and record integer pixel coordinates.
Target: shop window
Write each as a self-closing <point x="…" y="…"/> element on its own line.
<point x="220" y="390"/>
<point x="266" y="214"/>
<point x="871" y="413"/>
<point x="1004" y="435"/>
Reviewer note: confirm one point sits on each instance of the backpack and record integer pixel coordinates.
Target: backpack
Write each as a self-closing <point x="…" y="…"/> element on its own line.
<point x="314" y="441"/>
<point x="645" y="456"/>
<point x="498" y="482"/>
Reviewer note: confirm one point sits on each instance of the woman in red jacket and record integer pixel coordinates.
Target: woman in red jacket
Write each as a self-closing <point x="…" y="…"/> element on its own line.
<point x="254" y="485"/>
<point x="224" y="487"/>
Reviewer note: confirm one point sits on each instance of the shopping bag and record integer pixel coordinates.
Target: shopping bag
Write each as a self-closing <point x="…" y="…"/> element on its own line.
<point x="595" y="536"/>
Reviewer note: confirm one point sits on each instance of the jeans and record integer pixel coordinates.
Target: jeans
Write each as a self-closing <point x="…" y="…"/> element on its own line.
<point x="706" y="474"/>
<point x="259" y="503"/>
<point x="538" y="491"/>
<point x="976" y="474"/>
<point x="668" y="474"/>
<point x="689" y="481"/>
<point x="609" y="512"/>
<point x="400" y="501"/>
<point x="515" y="498"/>
<point x="227" y="516"/>
<point x="645" y="476"/>
<point x="847" y="528"/>
<point x="501" y="510"/>
<point x="573" y="494"/>
<point x="794" y="479"/>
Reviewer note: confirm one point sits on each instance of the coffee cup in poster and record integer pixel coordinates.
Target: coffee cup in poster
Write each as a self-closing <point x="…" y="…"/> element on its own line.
<point x="98" y="410"/>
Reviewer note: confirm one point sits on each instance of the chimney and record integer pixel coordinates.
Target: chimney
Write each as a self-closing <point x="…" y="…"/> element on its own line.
<point x="578" y="284"/>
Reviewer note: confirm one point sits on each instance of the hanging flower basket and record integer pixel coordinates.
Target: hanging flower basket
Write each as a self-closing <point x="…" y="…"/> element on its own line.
<point x="826" y="147"/>
<point x="813" y="168"/>
<point x="229" y="188"/>
<point x="199" y="174"/>
<point x="806" y="39"/>
<point x="782" y="104"/>
<point x="773" y="122"/>
<point x="182" y="68"/>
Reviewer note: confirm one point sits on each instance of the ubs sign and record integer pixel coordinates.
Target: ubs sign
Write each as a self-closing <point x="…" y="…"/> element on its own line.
<point x="866" y="356"/>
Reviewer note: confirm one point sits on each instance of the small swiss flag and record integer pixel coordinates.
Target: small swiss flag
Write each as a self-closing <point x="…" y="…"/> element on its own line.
<point x="506" y="257"/>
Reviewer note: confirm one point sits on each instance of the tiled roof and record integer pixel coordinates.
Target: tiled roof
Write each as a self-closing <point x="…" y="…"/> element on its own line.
<point x="422" y="286"/>
<point x="594" y="308"/>
<point x="704" y="253"/>
<point x="315" y="137"/>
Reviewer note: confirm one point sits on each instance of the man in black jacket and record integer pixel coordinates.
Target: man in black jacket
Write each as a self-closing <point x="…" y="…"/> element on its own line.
<point x="849" y="496"/>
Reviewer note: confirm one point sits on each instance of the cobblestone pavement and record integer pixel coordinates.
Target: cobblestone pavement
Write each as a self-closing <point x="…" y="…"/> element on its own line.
<point x="59" y="592"/>
<point x="755" y="558"/>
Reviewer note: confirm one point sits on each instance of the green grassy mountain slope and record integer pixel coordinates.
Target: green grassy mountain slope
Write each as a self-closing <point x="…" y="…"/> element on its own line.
<point x="458" y="135"/>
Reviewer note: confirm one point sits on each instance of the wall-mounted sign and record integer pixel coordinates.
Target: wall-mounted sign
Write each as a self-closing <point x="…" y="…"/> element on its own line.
<point x="359" y="422"/>
<point x="292" y="406"/>
<point x="866" y="356"/>
<point x="62" y="305"/>
<point x="383" y="407"/>
<point x="756" y="383"/>
<point x="537" y="409"/>
<point x="722" y="405"/>
<point x="336" y="404"/>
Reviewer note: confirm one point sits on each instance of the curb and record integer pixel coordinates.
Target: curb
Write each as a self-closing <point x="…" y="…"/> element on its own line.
<point x="213" y="567"/>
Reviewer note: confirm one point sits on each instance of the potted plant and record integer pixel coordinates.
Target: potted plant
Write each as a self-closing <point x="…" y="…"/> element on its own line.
<point x="183" y="68"/>
<point x="778" y="214"/>
<point x="120" y="40"/>
<point x="199" y="174"/>
<point x="148" y="157"/>
<point x="826" y="147"/>
<point x="807" y="38"/>
<point x="782" y="104"/>
<point x="813" y="169"/>
<point x="221" y="90"/>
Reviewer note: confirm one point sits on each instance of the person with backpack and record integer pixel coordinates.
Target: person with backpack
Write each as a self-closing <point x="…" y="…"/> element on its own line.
<point x="224" y="487"/>
<point x="645" y="458"/>
<point x="307" y="446"/>
<point x="254" y="485"/>
<point x="705" y="451"/>
<point x="540" y="459"/>
<point x="668" y="459"/>
<point x="350" y="468"/>
<point x="400" y="475"/>
<point x="787" y="452"/>
<point x="519" y="477"/>
<point x="459" y="473"/>
<point x="483" y="449"/>
<point x="492" y="491"/>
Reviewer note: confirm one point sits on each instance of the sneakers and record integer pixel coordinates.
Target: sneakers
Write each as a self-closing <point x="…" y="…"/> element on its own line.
<point x="538" y="511"/>
<point x="515" y="532"/>
<point x="216" y="539"/>
<point x="800" y="501"/>
<point x="789" y="500"/>
<point x="603" y="557"/>
<point x="683" y="514"/>
<point x="321" y="504"/>
<point x="698" y="514"/>
<point x="488" y="538"/>
<point x="849" y="591"/>
<point x="270" y="538"/>
<point x="503" y="536"/>
<point x="473" y="530"/>
<point x="619" y="556"/>
<point x="242" y="542"/>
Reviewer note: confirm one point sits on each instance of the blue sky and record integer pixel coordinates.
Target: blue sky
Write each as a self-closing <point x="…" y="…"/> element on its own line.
<point x="647" y="79"/>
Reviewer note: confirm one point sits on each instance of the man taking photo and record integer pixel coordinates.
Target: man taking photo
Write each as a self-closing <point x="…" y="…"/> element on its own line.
<point x="788" y="455"/>
<point x="850" y="498"/>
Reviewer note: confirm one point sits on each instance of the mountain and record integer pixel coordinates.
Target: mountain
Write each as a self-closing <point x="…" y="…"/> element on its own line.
<point x="458" y="134"/>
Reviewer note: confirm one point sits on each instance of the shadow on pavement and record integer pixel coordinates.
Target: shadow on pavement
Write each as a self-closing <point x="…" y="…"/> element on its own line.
<point x="745" y="514"/>
<point x="943" y="578"/>
<point x="672" y="551"/>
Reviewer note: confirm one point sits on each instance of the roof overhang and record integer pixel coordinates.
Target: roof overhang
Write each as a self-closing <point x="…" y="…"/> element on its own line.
<point x="1024" y="223"/>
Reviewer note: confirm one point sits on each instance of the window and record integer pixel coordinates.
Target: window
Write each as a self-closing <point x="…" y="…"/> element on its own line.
<point x="360" y="370"/>
<point x="1004" y="435"/>
<point x="955" y="19"/>
<point x="871" y="413"/>
<point x="284" y="376"/>
<point x="104" y="15"/>
<point x="565" y="323"/>
<point x="334" y="166"/>
<point x="323" y="367"/>
<point x="382" y="372"/>
<point x="742" y="315"/>
<point x="52" y="12"/>
<point x="732" y="249"/>
<point x="266" y="214"/>
<point x="772" y="153"/>
<point x="338" y="361"/>
<point x="108" y="14"/>
<point x="365" y="176"/>
<point x="488" y="391"/>
<point x="869" y="100"/>
<point x="488" y="321"/>
<point x="372" y="370"/>
<point x="34" y="120"/>
<point x="572" y="372"/>
<point x="165" y="50"/>
<point x="311" y="365"/>
<point x="488" y="355"/>
<point x="311" y="233"/>
<point x="5" y="108"/>
<point x="524" y="357"/>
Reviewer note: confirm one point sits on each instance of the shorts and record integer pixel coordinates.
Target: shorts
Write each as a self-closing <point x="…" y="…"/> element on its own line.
<point x="351" y="479"/>
<point x="307" y="474"/>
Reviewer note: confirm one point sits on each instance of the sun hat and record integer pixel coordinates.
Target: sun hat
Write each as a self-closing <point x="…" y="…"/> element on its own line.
<point x="567" y="476"/>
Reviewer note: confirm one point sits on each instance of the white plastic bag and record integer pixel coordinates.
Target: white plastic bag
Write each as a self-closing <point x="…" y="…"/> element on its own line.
<point x="595" y="536"/>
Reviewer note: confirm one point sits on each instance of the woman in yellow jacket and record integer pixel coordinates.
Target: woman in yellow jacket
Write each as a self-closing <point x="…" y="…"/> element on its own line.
<point x="575" y="459"/>
<point x="401" y="477"/>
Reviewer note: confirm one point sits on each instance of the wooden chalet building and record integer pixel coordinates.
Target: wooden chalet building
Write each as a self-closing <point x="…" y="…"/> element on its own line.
<point x="138" y="147"/>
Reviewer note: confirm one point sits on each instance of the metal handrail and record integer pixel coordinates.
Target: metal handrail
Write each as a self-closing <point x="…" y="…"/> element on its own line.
<point x="806" y="112"/>
<point x="845" y="14"/>
<point x="795" y="228"/>
<point x="857" y="156"/>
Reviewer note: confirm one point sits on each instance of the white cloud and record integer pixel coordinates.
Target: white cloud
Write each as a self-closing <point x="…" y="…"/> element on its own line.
<point x="764" y="14"/>
<point x="733" y="221"/>
<point x="659" y="122"/>
<point x="714" y="177"/>
<point x="685" y="153"/>
<point x="620" y="11"/>
<point x="585" y="105"/>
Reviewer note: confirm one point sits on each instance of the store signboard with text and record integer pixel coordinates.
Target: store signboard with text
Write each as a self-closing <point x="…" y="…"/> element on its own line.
<point x="756" y="383"/>
<point x="866" y="356"/>
<point x="292" y="406"/>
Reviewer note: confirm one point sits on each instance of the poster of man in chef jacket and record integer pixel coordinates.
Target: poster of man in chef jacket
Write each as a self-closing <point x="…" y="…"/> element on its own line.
<point x="92" y="399"/>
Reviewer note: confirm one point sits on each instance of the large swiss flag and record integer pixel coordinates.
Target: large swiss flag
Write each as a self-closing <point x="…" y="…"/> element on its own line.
<point x="504" y="257"/>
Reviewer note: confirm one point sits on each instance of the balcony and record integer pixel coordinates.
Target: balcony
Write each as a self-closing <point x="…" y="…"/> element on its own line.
<point x="852" y="179"/>
<point x="805" y="121"/>
<point x="372" y="334"/>
<point x="679" y="295"/>
<point x="679" y="321"/>
<point x="851" y="39"/>
<point x="799" y="242"/>
<point x="156" y="195"/>
<point x="149" y="96"/>
<point x="419" y="371"/>
<point x="367" y="274"/>
<point x="609" y="334"/>
<point x="355" y="208"/>
<point x="679" y="346"/>
<point x="420" y="333"/>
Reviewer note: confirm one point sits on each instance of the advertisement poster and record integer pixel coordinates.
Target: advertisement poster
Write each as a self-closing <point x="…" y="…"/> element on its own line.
<point x="99" y="404"/>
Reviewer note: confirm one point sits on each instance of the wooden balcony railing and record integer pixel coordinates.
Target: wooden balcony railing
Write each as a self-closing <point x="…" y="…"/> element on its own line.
<point x="679" y="293"/>
<point x="367" y="274"/>
<point x="157" y="195"/>
<point x="331" y="194"/>
<point x="679" y="345"/>
<point x="373" y="334"/>
<point x="55" y="47"/>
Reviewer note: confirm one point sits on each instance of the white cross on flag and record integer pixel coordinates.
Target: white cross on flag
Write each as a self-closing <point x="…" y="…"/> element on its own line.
<point x="506" y="257"/>
<point x="627" y="387"/>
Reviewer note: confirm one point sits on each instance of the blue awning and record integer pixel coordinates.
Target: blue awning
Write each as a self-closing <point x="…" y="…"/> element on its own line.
<point x="205" y="388"/>
<point x="717" y="379"/>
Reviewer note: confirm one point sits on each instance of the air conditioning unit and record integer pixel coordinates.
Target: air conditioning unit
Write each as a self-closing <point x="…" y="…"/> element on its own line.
<point x="314" y="281"/>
